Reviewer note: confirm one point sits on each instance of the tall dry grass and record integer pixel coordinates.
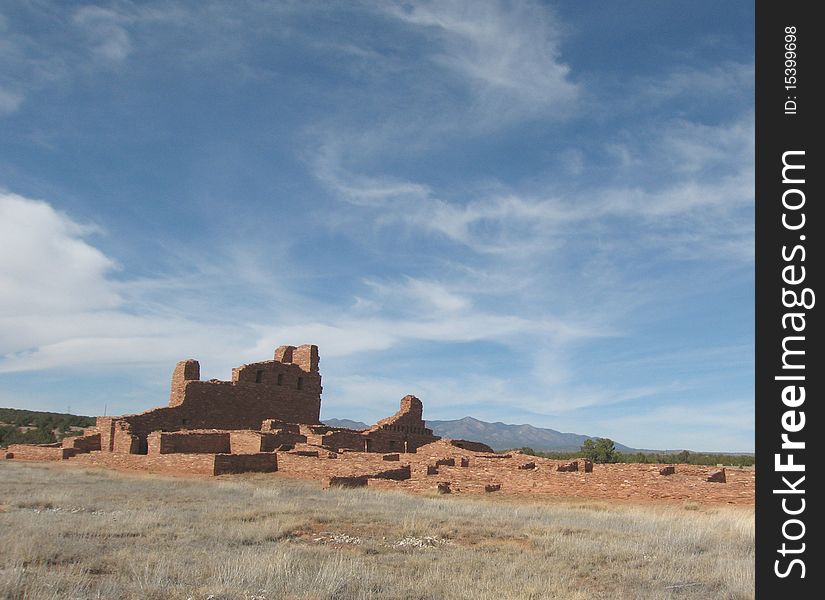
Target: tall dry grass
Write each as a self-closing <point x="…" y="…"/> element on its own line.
<point x="69" y="533"/>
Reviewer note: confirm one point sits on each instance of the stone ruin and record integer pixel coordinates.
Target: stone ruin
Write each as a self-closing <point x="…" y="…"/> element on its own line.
<point x="215" y="427"/>
<point x="267" y="419"/>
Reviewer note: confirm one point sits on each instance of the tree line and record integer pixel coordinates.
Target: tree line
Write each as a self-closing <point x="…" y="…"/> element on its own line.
<point x="603" y="450"/>
<point x="41" y="427"/>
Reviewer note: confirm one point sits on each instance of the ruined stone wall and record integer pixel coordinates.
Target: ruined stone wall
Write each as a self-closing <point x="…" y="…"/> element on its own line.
<point x="405" y="431"/>
<point x="38" y="452"/>
<point x="343" y="439"/>
<point x="226" y="464"/>
<point x="185" y="370"/>
<point x="188" y="442"/>
<point x="385" y="440"/>
<point x="181" y="464"/>
<point x="408" y="419"/>
<point x="83" y="443"/>
<point x="246" y="442"/>
<point x="105" y="425"/>
<point x="323" y="467"/>
<point x="124" y="441"/>
<point x="286" y="389"/>
<point x="468" y="445"/>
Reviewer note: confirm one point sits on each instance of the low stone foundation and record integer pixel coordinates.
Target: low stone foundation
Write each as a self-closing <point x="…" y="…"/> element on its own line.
<point x="182" y="464"/>
<point x="39" y="452"/>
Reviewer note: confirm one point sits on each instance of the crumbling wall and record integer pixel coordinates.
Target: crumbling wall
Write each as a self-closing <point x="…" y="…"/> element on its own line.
<point x="343" y="439"/>
<point x="39" y="452"/>
<point x="185" y="370"/>
<point x="186" y="464"/>
<point x="286" y="389"/>
<point x="408" y="419"/>
<point x="82" y="443"/>
<point x="405" y="431"/>
<point x="123" y="440"/>
<point x="188" y="442"/>
<point x="468" y="445"/>
<point x="245" y="463"/>
<point x="106" y="427"/>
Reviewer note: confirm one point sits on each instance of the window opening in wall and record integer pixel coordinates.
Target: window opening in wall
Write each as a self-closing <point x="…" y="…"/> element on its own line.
<point x="280" y="378"/>
<point x="300" y="382"/>
<point x="259" y="375"/>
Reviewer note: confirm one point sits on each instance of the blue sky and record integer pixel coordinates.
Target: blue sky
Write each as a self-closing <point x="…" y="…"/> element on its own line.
<point x="525" y="212"/>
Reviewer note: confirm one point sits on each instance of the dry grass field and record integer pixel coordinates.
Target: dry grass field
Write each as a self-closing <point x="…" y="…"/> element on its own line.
<point x="75" y="533"/>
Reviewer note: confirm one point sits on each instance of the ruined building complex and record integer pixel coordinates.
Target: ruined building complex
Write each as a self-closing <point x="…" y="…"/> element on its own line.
<point x="266" y="419"/>
<point x="237" y="425"/>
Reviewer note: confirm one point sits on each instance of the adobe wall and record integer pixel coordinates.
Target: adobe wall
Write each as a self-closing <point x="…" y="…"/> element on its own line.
<point x="323" y="467"/>
<point x="116" y="435"/>
<point x="468" y="445"/>
<point x="408" y="419"/>
<point x="390" y="441"/>
<point x="83" y="443"/>
<point x="176" y="464"/>
<point x="38" y="452"/>
<point x="343" y="439"/>
<point x="226" y="464"/>
<point x="286" y="389"/>
<point x="188" y="442"/>
<point x="405" y="431"/>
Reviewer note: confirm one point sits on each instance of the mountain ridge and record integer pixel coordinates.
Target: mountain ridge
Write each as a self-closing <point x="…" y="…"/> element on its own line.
<point x="498" y="435"/>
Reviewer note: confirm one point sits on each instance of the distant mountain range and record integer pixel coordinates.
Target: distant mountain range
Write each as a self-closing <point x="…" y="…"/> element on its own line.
<point x="499" y="436"/>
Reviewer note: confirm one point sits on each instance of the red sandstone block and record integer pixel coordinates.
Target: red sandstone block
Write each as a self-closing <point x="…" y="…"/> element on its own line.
<point x="262" y="462"/>
<point x="468" y="445"/>
<point x="39" y="452"/>
<point x="396" y="474"/>
<point x="527" y="466"/>
<point x="717" y="476"/>
<point x="83" y="443"/>
<point x="313" y="453"/>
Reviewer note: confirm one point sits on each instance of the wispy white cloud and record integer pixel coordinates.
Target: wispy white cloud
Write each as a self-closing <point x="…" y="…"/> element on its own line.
<point x="108" y="38"/>
<point x="10" y="101"/>
<point x="719" y="81"/>
<point x="68" y="310"/>
<point x="507" y="54"/>
<point x="708" y="170"/>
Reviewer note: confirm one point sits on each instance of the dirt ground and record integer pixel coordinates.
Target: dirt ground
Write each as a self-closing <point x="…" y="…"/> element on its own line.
<point x="635" y="483"/>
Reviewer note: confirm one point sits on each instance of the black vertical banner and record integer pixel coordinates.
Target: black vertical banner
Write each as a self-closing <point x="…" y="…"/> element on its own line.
<point x="789" y="370"/>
